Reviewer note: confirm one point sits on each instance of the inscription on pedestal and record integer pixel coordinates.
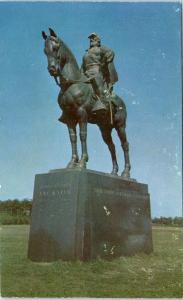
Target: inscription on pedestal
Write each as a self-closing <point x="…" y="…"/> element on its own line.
<point x="123" y="194"/>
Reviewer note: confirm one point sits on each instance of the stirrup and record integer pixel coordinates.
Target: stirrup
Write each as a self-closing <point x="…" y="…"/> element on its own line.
<point x="99" y="106"/>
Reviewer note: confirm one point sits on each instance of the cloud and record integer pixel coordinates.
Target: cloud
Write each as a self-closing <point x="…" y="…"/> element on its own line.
<point x="128" y="92"/>
<point x="163" y="55"/>
<point x="177" y="9"/>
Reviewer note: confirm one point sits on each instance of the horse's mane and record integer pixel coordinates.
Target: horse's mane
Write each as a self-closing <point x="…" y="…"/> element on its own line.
<point x="69" y="53"/>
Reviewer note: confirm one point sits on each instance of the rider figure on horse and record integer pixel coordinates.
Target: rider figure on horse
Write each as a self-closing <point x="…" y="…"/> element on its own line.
<point x="98" y="66"/>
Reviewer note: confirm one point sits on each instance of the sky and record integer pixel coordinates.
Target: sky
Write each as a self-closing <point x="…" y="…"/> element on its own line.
<point x="146" y="39"/>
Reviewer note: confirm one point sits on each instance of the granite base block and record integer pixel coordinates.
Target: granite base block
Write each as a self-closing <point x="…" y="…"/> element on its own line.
<point x="83" y="214"/>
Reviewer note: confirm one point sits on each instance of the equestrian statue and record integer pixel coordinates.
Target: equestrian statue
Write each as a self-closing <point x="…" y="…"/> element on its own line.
<point x="87" y="96"/>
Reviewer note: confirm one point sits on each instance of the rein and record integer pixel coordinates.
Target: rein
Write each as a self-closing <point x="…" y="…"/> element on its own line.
<point x="56" y="80"/>
<point x="73" y="81"/>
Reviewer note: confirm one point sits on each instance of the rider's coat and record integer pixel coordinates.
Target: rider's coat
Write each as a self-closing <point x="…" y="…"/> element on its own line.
<point x="98" y="61"/>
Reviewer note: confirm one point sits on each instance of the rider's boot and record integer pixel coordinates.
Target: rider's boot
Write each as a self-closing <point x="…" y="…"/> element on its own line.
<point x="99" y="96"/>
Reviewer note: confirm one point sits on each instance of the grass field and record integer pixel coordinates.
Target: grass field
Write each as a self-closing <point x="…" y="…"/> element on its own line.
<point x="157" y="275"/>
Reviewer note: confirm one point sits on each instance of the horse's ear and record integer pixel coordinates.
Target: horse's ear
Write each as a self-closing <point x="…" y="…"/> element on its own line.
<point x="44" y="35"/>
<point x="52" y="32"/>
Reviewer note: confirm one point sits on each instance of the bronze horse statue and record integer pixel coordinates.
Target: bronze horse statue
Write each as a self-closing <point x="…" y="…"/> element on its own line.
<point x="76" y="100"/>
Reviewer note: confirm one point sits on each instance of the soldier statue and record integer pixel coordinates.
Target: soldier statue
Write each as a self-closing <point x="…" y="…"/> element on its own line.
<point x="98" y="66"/>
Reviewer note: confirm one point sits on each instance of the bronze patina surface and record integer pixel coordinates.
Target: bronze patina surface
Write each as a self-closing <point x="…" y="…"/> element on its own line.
<point x="86" y="96"/>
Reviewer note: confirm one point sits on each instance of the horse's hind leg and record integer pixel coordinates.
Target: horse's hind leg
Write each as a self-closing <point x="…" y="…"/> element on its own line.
<point x="73" y="139"/>
<point x="106" y="134"/>
<point x="125" y="146"/>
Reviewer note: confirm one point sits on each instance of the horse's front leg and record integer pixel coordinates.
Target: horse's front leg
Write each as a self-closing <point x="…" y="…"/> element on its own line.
<point x="83" y="137"/>
<point x="73" y="138"/>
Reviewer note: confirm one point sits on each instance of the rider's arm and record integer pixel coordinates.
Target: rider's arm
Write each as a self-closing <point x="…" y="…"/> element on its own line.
<point x="108" y="55"/>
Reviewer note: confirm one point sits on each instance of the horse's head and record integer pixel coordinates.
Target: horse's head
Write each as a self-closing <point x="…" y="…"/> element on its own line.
<point x="53" y="52"/>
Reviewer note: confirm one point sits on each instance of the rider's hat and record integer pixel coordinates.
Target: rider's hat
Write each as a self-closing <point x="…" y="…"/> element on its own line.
<point x="94" y="35"/>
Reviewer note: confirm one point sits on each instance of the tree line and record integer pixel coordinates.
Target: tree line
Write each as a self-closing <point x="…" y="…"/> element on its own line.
<point x="23" y="207"/>
<point x="176" y="221"/>
<point x="16" y="207"/>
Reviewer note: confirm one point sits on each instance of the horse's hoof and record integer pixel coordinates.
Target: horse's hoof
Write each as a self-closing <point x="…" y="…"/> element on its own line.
<point x="72" y="165"/>
<point x="125" y="175"/>
<point x="114" y="173"/>
<point x="81" y="165"/>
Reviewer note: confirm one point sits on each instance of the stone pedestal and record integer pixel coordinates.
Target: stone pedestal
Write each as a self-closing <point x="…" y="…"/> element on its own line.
<point x="83" y="214"/>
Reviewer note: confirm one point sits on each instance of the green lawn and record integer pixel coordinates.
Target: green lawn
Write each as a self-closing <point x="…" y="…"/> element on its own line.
<point x="155" y="275"/>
